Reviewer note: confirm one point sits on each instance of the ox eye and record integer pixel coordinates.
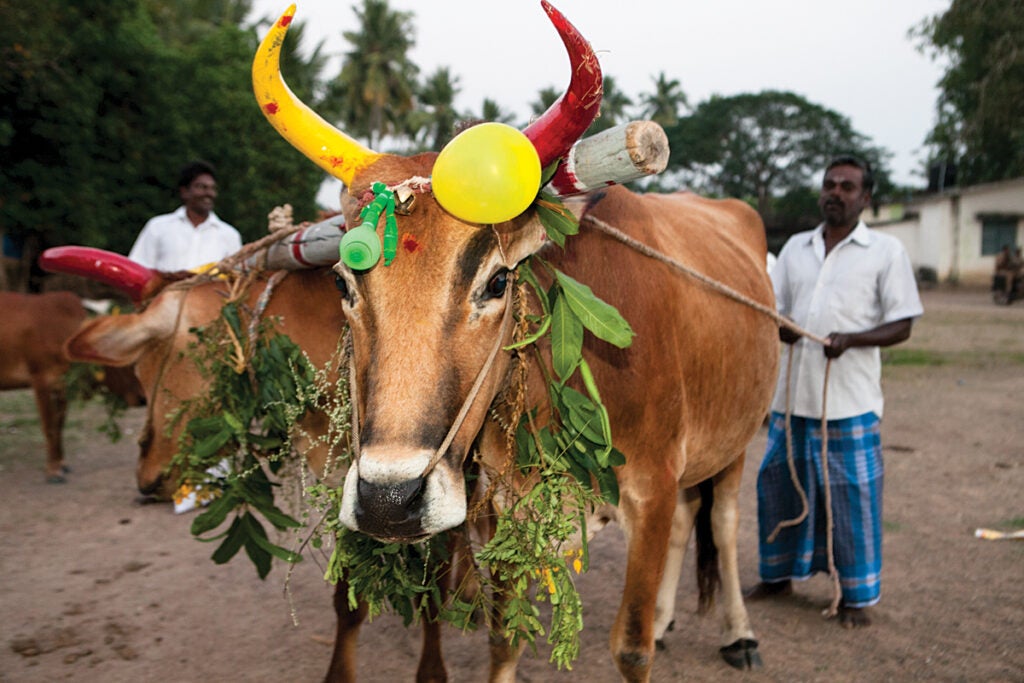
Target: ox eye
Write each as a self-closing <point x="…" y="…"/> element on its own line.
<point x="342" y="286"/>
<point x="497" y="284"/>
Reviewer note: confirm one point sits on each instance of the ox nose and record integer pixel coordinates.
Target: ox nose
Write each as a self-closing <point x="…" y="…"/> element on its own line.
<point x="391" y="511"/>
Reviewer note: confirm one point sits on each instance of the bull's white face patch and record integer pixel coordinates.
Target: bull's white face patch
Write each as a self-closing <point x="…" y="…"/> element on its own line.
<point x="443" y="502"/>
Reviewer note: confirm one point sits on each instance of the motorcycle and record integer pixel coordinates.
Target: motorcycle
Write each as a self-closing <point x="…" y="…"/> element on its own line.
<point x="999" y="293"/>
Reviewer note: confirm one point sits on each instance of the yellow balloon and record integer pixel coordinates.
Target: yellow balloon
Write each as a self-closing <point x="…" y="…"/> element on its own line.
<point x="489" y="173"/>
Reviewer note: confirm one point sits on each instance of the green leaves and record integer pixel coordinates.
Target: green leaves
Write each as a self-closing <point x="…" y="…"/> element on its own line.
<point x="558" y="221"/>
<point x="239" y="428"/>
<point x="603" y="320"/>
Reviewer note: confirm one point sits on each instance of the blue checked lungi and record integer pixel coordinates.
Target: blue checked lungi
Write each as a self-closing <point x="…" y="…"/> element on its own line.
<point x="855" y="478"/>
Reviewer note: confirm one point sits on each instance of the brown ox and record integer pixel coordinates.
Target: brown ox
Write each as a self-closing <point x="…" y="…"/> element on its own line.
<point x="684" y="399"/>
<point x="31" y="340"/>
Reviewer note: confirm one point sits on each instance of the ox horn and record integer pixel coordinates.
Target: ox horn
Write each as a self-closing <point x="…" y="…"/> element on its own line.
<point x="104" y="266"/>
<point x="555" y="131"/>
<point x="328" y="147"/>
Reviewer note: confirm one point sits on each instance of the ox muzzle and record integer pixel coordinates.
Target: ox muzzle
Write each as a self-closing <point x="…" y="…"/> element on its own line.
<point x="392" y="497"/>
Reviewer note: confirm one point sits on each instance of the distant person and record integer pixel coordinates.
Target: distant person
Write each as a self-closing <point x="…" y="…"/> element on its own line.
<point x="856" y="287"/>
<point x="1008" y="266"/>
<point x="191" y="236"/>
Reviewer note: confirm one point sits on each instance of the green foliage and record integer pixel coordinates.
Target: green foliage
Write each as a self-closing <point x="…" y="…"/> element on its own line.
<point x="761" y="145"/>
<point x="980" y="121"/>
<point x="239" y="429"/>
<point x="102" y="102"/>
<point x="84" y="382"/>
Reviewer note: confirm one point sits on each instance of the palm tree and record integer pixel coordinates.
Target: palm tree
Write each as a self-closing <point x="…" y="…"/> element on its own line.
<point x="438" y="94"/>
<point x="492" y="111"/>
<point x="375" y="88"/>
<point x="613" y="107"/>
<point x="663" y="105"/>
<point x="545" y="98"/>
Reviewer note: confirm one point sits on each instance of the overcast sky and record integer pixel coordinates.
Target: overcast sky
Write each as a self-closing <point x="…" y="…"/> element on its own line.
<point x="854" y="58"/>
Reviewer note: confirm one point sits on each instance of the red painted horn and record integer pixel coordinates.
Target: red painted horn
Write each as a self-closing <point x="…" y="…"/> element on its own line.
<point x="100" y="265"/>
<point x="555" y="131"/>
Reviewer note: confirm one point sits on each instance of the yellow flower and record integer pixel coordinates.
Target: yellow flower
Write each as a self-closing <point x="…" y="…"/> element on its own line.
<point x="183" y="491"/>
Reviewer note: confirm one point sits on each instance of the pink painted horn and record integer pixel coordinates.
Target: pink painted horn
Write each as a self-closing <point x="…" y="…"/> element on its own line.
<point x="555" y="131"/>
<point x="100" y="265"/>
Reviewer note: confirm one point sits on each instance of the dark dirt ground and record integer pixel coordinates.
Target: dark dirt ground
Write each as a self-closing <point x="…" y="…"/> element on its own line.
<point x="98" y="587"/>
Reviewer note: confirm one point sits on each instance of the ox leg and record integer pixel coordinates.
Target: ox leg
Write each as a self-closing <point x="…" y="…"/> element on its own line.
<point x="648" y="526"/>
<point x="431" y="666"/>
<point x="52" y="404"/>
<point x="504" y="656"/>
<point x="682" y="527"/>
<point x="343" y="660"/>
<point x="739" y="647"/>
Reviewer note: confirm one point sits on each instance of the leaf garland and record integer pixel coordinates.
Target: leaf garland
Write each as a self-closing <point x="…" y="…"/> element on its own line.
<point x="238" y="427"/>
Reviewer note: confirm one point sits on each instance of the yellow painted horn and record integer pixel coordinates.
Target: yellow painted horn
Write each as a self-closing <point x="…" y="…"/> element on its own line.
<point x="325" y="145"/>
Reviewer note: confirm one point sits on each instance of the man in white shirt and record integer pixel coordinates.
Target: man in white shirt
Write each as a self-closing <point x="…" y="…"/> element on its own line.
<point x="855" y="287"/>
<point x="193" y="235"/>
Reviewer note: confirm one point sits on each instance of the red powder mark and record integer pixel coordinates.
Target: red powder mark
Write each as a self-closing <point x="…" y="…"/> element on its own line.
<point x="270" y="108"/>
<point x="410" y="244"/>
<point x="285" y="21"/>
<point x="335" y="162"/>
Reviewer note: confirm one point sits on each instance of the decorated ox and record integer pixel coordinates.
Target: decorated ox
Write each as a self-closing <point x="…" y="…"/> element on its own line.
<point x="156" y="339"/>
<point x="31" y="356"/>
<point x="431" y="325"/>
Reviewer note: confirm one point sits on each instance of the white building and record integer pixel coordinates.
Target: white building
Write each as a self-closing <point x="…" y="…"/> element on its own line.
<point x="957" y="233"/>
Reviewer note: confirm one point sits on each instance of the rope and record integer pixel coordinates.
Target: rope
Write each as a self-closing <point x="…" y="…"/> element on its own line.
<point x="717" y="286"/>
<point x="837" y="590"/>
<point x="477" y="384"/>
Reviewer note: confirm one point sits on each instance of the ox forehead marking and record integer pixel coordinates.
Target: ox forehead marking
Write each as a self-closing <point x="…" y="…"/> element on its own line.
<point x="410" y="244"/>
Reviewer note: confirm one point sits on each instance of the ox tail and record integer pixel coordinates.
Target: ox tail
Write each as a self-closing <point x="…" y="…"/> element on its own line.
<point x="708" y="578"/>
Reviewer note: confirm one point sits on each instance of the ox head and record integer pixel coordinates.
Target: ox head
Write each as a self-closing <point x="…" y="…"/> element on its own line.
<point x="155" y="341"/>
<point x="142" y="340"/>
<point x="427" y="329"/>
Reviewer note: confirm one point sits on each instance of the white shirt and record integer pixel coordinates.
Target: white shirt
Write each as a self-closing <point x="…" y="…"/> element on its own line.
<point x="865" y="281"/>
<point x="170" y="242"/>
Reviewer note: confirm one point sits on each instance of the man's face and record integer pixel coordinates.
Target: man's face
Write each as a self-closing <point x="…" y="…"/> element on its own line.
<point x="199" y="195"/>
<point x="843" y="197"/>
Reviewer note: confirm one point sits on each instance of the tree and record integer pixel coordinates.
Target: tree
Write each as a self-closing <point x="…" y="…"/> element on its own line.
<point x="545" y="98"/>
<point x="437" y="95"/>
<point x="760" y="146"/>
<point x="376" y="86"/>
<point x="492" y="111"/>
<point x="980" y="120"/>
<point x="99" y="107"/>
<point x="663" y="105"/>
<point x="614" y="104"/>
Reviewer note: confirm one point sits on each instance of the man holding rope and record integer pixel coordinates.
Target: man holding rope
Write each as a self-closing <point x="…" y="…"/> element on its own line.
<point x="856" y="287"/>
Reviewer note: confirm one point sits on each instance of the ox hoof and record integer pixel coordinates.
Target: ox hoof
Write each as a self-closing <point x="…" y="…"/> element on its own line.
<point x="742" y="654"/>
<point x="659" y="644"/>
<point x="58" y="477"/>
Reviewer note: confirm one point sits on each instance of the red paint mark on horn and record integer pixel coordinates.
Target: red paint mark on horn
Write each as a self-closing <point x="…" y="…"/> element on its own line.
<point x="297" y="255"/>
<point x="104" y="266"/>
<point x="285" y="20"/>
<point x="270" y="108"/>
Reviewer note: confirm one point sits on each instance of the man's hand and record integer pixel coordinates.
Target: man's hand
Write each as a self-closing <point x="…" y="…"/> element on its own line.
<point x="838" y="342"/>
<point x="788" y="335"/>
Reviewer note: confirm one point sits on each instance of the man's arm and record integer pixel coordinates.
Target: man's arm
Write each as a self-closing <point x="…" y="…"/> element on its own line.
<point x="883" y="335"/>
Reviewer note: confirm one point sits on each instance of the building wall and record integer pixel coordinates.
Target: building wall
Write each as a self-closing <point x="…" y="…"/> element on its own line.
<point x="944" y="231"/>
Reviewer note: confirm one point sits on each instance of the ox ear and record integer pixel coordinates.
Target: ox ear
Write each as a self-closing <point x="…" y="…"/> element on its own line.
<point x="121" y="339"/>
